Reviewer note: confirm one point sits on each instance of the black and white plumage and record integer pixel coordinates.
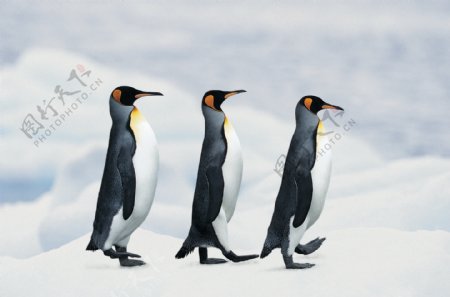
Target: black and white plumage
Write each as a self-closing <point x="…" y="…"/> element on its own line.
<point x="129" y="177"/>
<point x="218" y="182"/>
<point x="303" y="187"/>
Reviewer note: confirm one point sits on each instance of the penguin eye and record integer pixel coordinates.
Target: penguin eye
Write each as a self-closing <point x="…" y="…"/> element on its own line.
<point x="307" y="103"/>
<point x="116" y="95"/>
<point x="209" y="100"/>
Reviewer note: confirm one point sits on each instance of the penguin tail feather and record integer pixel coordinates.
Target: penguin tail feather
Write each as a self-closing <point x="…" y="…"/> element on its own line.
<point x="184" y="251"/>
<point x="265" y="252"/>
<point x="91" y="246"/>
<point x="272" y="242"/>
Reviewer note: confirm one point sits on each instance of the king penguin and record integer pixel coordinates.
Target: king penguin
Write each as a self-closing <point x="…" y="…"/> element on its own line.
<point x="304" y="185"/>
<point x="129" y="177"/>
<point x="218" y="182"/>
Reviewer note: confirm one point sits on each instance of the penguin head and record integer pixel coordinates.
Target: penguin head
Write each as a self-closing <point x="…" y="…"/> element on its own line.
<point x="128" y="95"/>
<point x="315" y="104"/>
<point x="213" y="99"/>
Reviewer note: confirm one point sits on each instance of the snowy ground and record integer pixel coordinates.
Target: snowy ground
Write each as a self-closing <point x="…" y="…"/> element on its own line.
<point x="352" y="262"/>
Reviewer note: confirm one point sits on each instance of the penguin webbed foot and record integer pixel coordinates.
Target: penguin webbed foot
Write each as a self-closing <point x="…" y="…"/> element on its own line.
<point x="235" y="258"/>
<point x="125" y="262"/>
<point x="213" y="261"/>
<point x="116" y="255"/>
<point x="299" y="266"/>
<point x="290" y="264"/>
<point x="123" y="257"/>
<point x="203" y="253"/>
<point x="310" y="247"/>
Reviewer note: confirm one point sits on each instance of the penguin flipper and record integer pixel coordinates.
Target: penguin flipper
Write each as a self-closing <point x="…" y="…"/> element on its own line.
<point x="128" y="178"/>
<point x="304" y="192"/>
<point x="214" y="177"/>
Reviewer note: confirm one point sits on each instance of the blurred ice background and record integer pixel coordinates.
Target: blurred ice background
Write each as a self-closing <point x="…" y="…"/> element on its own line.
<point x="386" y="63"/>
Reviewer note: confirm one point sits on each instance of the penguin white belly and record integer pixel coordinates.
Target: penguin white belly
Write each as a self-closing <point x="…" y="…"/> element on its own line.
<point x="320" y="174"/>
<point x="232" y="170"/>
<point x="145" y="162"/>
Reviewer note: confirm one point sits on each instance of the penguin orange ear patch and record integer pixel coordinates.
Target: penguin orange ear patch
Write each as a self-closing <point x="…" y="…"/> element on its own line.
<point x="116" y="95"/>
<point x="308" y="102"/>
<point x="209" y="100"/>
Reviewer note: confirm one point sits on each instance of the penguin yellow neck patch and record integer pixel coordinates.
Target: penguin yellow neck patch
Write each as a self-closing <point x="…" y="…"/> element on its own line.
<point x="227" y="127"/>
<point x="226" y="123"/>
<point x="320" y="132"/>
<point x="320" y="128"/>
<point x="136" y="118"/>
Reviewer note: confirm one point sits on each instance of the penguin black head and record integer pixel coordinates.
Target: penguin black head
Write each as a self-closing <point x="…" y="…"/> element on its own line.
<point x="128" y="95"/>
<point x="214" y="98"/>
<point x="315" y="104"/>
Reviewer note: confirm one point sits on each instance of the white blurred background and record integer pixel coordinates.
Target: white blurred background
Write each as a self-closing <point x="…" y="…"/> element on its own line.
<point x="385" y="63"/>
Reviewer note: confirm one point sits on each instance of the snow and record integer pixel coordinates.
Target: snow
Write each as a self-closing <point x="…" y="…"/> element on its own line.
<point x="353" y="262"/>
<point x="20" y="223"/>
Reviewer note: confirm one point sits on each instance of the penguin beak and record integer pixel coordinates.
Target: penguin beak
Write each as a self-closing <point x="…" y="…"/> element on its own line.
<point x="232" y="93"/>
<point x="329" y="106"/>
<point x="143" y="94"/>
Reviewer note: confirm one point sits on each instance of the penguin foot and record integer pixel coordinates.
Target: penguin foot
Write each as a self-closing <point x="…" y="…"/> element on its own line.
<point x="235" y="258"/>
<point x="203" y="253"/>
<point x="310" y="247"/>
<point x="299" y="266"/>
<point x="116" y="255"/>
<point x="289" y="262"/>
<point x="213" y="261"/>
<point x="123" y="255"/>
<point x="125" y="262"/>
